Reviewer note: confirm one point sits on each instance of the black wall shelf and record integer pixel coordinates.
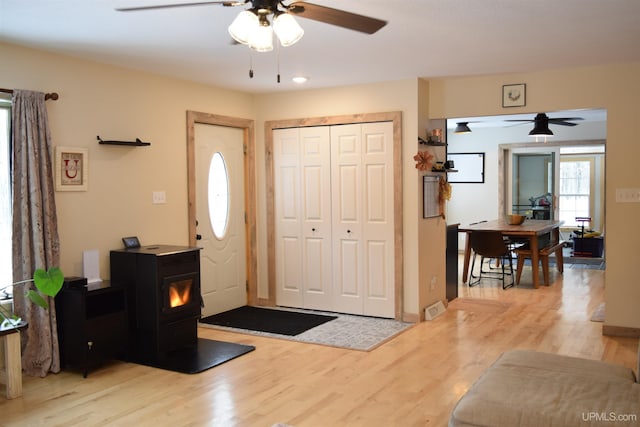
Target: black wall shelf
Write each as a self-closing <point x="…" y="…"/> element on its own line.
<point x="431" y="142"/>
<point x="136" y="143"/>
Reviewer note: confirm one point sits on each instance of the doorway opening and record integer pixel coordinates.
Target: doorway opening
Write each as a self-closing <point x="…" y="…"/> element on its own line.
<point x="553" y="196"/>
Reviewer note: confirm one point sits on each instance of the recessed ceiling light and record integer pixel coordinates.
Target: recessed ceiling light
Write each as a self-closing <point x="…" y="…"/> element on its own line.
<point x="300" y="79"/>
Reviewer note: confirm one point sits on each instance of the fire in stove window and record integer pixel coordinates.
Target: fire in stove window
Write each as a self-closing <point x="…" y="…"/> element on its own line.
<point x="180" y="293"/>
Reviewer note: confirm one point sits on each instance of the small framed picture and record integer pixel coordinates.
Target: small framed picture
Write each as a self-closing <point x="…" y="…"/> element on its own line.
<point x="514" y="95"/>
<point x="72" y="169"/>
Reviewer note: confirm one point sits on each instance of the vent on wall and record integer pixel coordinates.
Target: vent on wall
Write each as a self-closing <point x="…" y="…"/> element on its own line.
<point x="434" y="310"/>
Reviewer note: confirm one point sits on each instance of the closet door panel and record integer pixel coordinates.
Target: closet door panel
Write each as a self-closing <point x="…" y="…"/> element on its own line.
<point x="378" y="219"/>
<point x="349" y="257"/>
<point x="288" y="218"/>
<point x="347" y="187"/>
<point x="316" y="217"/>
<point x="375" y="268"/>
<point x="346" y="172"/>
<point x="376" y="194"/>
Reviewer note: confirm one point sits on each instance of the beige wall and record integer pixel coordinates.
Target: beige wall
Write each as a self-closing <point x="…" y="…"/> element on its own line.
<point x="431" y="231"/>
<point x="122" y="104"/>
<point x="118" y="104"/>
<point x="615" y="88"/>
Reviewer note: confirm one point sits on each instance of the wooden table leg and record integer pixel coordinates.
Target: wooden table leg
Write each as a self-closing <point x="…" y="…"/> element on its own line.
<point x="559" y="256"/>
<point x="467" y="257"/>
<point x="533" y="242"/>
<point x="12" y="374"/>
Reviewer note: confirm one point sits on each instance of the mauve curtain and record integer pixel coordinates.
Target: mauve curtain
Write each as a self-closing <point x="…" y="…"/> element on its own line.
<point x="35" y="228"/>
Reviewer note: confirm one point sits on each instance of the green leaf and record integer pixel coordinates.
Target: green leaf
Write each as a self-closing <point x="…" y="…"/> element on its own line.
<point x="49" y="282"/>
<point x="37" y="299"/>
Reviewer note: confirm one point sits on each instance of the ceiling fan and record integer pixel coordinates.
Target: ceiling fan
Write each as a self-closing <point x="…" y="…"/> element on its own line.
<point x="252" y="27"/>
<point x="541" y="123"/>
<point x="463" y="127"/>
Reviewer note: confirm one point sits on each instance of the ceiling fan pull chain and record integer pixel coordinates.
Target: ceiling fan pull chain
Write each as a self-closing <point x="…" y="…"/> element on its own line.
<point x="278" y="61"/>
<point x="250" y="65"/>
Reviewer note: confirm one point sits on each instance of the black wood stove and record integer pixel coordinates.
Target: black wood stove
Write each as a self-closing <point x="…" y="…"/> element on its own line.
<point x="162" y="285"/>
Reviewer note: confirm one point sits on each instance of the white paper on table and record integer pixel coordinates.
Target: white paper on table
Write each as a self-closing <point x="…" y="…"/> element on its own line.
<point x="91" y="265"/>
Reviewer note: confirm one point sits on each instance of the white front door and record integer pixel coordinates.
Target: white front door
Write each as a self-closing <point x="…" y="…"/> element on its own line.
<point x="220" y="215"/>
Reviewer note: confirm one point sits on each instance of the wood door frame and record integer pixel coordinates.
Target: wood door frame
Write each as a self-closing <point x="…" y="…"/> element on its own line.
<point x="393" y="116"/>
<point x="249" y="143"/>
<point x="506" y="150"/>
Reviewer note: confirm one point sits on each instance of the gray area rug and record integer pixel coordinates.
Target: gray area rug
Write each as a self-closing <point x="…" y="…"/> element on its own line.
<point x="347" y="331"/>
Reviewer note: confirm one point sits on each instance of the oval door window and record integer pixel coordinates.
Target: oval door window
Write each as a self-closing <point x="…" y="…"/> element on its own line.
<point x="218" y="195"/>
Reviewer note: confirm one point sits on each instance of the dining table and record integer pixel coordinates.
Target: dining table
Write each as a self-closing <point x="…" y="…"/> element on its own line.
<point x="530" y="229"/>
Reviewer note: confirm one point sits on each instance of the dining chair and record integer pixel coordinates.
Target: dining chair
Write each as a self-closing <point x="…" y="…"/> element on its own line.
<point x="490" y="245"/>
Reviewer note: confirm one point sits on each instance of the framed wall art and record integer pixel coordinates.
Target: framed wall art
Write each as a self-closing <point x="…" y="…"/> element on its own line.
<point x="71" y="169"/>
<point x="514" y="95"/>
<point x="430" y="203"/>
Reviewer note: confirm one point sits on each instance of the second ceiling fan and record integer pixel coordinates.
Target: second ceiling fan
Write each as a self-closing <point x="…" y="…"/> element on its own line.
<point x="541" y="123"/>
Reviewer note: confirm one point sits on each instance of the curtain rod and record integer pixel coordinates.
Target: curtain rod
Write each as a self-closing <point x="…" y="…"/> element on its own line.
<point x="47" y="96"/>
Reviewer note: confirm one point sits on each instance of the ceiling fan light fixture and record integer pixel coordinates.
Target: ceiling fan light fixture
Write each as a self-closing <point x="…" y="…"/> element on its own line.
<point x="241" y="27"/>
<point x="287" y="29"/>
<point x="261" y="37"/>
<point x="462" y="127"/>
<point x="541" y="129"/>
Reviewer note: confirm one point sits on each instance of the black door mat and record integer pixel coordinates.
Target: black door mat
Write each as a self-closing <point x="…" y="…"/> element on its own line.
<point x="268" y="320"/>
<point x="206" y="355"/>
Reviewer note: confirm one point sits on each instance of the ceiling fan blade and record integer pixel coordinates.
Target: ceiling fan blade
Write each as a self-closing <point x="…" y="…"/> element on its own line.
<point x="167" y="6"/>
<point x="561" y="123"/>
<point x="564" y="121"/>
<point x="340" y="18"/>
<point x="555" y="120"/>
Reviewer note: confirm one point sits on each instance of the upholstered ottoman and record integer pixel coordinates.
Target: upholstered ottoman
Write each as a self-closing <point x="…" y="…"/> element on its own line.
<point x="529" y="388"/>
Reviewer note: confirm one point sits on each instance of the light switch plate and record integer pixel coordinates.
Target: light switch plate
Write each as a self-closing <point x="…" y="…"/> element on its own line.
<point x="159" y="197"/>
<point x="627" y="195"/>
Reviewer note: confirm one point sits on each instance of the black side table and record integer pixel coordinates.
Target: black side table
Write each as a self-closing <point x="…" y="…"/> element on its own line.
<point x="92" y="323"/>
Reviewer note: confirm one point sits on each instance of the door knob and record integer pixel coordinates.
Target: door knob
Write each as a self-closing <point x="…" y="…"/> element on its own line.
<point x="198" y="236"/>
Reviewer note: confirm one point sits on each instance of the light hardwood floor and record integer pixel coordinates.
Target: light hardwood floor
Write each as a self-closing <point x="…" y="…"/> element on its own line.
<point x="413" y="380"/>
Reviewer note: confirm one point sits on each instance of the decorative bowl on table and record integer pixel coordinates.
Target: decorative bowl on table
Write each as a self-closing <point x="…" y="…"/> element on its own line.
<point x="515" y="219"/>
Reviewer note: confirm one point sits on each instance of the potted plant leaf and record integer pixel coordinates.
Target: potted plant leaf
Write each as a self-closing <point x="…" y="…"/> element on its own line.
<point x="48" y="283"/>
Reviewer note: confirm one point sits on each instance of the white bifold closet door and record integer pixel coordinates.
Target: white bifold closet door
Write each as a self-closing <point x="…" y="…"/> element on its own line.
<point x="303" y="217"/>
<point x="334" y="218"/>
